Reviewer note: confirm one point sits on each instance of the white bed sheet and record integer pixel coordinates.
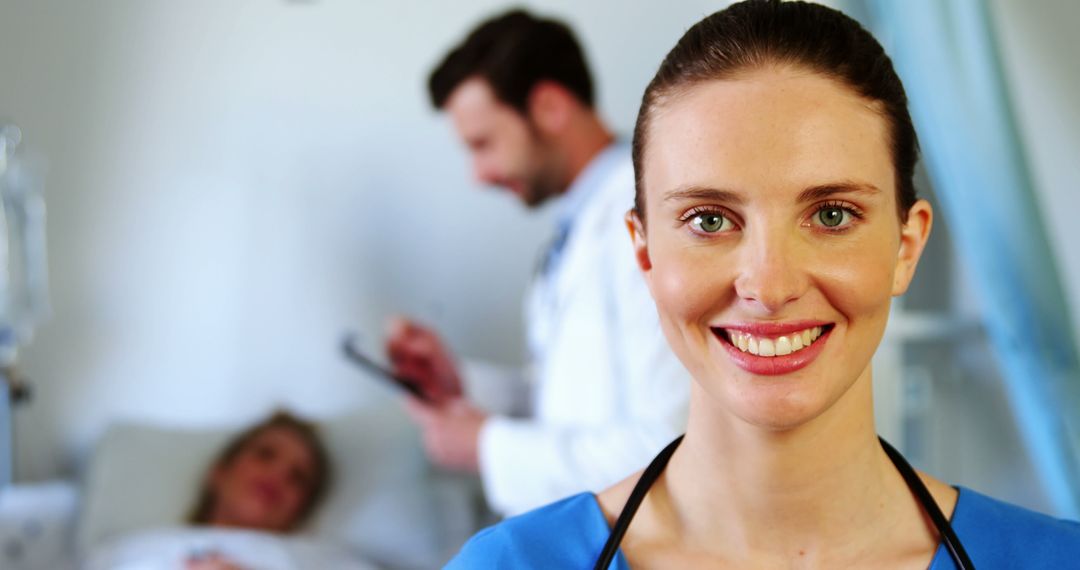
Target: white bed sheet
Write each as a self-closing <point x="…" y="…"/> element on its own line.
<point x="167" y="549"/>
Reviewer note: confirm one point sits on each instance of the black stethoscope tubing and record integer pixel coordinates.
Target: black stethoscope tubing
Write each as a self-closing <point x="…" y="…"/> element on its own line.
<point x="653" y="471"/>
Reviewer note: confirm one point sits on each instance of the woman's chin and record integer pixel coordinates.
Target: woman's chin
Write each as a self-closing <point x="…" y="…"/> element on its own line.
<point x="255" y="516"/>
<point x="775" y="408"/>
<point x="779" y="416"/>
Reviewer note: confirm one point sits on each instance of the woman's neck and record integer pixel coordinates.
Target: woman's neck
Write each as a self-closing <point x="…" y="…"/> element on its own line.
<point x="822" y="492"/>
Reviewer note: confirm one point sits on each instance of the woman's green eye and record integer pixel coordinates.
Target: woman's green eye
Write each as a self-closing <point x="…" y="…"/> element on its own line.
<point x="709" y="223"/>
<point x="831" y="217"/>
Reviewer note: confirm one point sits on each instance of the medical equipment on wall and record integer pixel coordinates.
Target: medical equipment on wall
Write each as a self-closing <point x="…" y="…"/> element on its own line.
<point x="23" y="275"/>
<point x="23" y="271"/>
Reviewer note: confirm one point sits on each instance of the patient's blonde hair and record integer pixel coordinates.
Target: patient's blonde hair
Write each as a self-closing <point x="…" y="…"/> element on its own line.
<point x="308" y="432"/>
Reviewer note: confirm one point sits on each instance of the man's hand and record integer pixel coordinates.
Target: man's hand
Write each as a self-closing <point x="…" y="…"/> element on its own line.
<point x="451" y="432"/>
<point x="416" y="352"/>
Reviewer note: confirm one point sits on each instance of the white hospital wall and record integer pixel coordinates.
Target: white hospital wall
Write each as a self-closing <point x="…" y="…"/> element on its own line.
<point x="234" y="183"/>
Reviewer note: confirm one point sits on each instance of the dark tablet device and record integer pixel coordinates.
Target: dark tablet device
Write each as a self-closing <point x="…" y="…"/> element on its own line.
<point x="348" y="347"/>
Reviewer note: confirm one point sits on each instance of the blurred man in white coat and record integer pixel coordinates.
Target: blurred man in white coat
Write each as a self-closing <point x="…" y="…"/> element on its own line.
<point x="607" y="393"/>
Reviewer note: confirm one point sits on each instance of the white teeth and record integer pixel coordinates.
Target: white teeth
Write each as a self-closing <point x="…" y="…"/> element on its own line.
<point x="778" y="346"/>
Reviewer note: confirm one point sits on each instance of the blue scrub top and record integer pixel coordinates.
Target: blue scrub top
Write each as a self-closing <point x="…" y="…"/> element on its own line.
<point x="572" y="532"/>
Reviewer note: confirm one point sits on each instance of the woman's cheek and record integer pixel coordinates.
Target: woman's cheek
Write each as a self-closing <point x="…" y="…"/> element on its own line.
<point x="688" y="292"/>
<point x="859" y="282"/>
<point x="683" y="286"/>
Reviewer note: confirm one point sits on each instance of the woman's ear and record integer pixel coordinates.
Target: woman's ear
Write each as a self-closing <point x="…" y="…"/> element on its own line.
<point x="913" y="236"/>
<point x="637" y="236"/>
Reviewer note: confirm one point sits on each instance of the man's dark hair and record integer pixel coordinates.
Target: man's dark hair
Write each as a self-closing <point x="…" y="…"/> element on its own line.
<point x="754" y="34"/>
<point x="514" y="52"/>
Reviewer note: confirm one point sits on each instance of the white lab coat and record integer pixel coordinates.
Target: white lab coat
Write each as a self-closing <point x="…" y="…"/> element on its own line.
<point x="607" y="392"/>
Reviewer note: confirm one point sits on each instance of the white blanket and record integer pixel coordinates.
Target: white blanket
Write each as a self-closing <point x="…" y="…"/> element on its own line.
<point x="167" y="549"/>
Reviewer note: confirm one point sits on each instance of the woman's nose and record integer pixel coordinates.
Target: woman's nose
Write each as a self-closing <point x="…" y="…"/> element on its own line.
<point x="771" y="271"/>
<point x="277" y="471"/>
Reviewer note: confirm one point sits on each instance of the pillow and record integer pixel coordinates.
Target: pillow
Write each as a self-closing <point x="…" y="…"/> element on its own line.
<point x="142" y="476"/>
<point x="385" y="501"/>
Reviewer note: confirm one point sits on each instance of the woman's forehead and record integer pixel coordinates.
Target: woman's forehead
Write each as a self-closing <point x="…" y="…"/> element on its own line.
<point x="777" y="128"/>
<point x="285" y="438"/>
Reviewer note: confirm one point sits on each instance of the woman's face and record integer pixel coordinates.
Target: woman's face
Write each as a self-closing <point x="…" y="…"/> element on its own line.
<point x="267" y="484"/>
<point x="772" y="244"/>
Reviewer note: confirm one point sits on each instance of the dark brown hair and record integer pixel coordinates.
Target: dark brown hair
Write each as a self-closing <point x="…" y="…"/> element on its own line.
<point x="307" y="431"/>
<point x="755" y="34"/>
<point x="513" y="52"/>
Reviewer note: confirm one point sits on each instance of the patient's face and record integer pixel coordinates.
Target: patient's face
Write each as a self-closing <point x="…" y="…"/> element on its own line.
<point x="267" y="484"/>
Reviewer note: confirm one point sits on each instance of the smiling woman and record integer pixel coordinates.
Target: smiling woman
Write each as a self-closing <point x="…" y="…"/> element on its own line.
<point x="775" y="220"/>
<point x="796" y="240"/>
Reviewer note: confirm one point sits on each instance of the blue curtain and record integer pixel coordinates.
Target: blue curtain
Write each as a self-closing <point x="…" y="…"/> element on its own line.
<point x="945" y="53"/>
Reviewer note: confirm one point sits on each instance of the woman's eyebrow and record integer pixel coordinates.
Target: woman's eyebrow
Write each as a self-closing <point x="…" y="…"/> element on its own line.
<point x="811" y="194"/>
<point x="820" y="192"/>
<point x="704" y="193"/>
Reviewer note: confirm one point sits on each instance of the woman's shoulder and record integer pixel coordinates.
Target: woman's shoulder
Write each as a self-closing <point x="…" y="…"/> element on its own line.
<point x="567" y="533"/>
<point x="995" y="533"/>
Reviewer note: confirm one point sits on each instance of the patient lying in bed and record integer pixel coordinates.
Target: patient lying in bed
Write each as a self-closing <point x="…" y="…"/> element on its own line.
<point x="264" y="484"/>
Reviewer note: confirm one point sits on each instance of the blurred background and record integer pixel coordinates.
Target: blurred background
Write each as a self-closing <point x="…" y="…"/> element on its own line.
<point x="231" y="185"/>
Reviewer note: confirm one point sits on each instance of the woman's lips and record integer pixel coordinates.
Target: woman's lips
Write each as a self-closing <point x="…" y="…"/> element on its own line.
<point x="751" y="336"/>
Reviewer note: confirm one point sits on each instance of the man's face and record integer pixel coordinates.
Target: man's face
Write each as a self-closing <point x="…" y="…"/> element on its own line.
<point x="506" y="149"/>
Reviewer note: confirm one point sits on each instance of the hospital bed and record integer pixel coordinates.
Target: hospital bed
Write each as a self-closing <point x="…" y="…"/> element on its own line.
<point x="387" y="508"/>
